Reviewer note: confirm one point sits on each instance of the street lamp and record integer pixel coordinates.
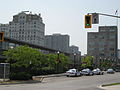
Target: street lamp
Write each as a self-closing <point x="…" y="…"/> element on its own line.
<point x="58" y="56"/>
<point x="92" y="62"/>
<point x="100" y="63"/>
<point x="58" y="61"/>
<point x="74" y="59"/>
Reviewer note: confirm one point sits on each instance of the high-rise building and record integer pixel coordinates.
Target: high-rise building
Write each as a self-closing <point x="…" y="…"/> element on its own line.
<point x="103" y="44"/>
<point x="119" y="55"/>
<point x="27" y="27"/>
<point x="57" y="42"/>
<point x="75" y="55"/>
<point x="74" y="49"/>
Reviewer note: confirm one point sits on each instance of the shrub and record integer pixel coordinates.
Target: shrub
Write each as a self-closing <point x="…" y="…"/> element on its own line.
<point x="20" y="76"/>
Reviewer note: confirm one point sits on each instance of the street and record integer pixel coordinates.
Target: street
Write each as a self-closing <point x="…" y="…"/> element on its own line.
<point x="67" y="83"/>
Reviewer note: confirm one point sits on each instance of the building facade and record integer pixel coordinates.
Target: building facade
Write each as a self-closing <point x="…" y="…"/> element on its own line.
<point x="75" y="55"/>
<point x="119" y="55"/>
<point x="103" y="44"/>
<point x="74" y="49"/>
<point x="27" y="27"/>
<point x="58" y="42"/>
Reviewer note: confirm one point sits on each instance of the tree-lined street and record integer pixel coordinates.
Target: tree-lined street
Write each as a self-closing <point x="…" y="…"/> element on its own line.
<point x="67" y="83"/>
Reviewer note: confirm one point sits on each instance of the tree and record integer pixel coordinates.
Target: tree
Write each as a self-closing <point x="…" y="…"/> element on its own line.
<point x="26" y="62"/>
<point x="87" y="62"/>
<point x="21" y="58"/>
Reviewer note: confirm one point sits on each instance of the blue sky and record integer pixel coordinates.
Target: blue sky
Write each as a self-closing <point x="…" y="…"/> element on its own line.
<point x="63" y="16"/>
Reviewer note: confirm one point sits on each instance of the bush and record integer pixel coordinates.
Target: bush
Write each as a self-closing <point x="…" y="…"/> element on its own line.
<point x="20" y="76"/>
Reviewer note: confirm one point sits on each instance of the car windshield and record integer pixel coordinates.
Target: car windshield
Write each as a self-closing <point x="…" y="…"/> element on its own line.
<point x="72" y="70"/>
<point x="85" y="70"/>
<point x="110" y="69"/>
<point x="95" y="70"/>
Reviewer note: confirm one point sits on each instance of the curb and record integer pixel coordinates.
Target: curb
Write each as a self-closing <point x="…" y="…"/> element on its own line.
<point x="33" y="81"/>
<point x="20" y="82"/>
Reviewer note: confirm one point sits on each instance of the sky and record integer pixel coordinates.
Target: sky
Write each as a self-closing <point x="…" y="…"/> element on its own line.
<point x="64" y="16"/>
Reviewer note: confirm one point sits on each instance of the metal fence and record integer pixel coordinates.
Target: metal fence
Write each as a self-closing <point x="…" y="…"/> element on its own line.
<point x="4" y="71"/>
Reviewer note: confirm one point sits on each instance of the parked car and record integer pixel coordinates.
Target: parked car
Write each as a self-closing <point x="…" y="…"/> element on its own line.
<point x="87" y="72"/>
<point x="117" y="70"/>
<point x="73" y="72"/>
<point x="97" y="72"/>
<point x="110" y="71"/>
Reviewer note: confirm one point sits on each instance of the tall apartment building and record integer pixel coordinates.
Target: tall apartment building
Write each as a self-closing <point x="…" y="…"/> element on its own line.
<point x="103" y="44"/>
<point x="75" y="54"/>
<point x="119" y="54"/>
<point x="57" y="42"/>
<point x="74" y="49"/>
<point x="27" y="27"/>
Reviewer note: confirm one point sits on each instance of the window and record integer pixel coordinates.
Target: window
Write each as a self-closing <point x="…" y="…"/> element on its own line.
<point x="112" y="49"/>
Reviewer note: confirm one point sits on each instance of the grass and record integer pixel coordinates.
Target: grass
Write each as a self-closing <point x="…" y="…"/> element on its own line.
<point x="111" y="84"/>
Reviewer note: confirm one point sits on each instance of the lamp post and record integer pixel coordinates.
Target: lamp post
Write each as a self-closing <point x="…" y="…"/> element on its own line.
<point x="92" y="64"/>
<point x="58" y="61"/>
<point x="30" y="62"/>
<point x="100" y="63"/>
<point x="74" y="59"/>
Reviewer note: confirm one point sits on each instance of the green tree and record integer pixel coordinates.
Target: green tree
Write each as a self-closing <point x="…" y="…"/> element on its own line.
<point x="87" y="62"/>
<point x="22" y="58"/>
<point x="26" y="61"/>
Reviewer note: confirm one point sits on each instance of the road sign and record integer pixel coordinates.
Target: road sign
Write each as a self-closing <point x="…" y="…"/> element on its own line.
<point x="95" y="18"/>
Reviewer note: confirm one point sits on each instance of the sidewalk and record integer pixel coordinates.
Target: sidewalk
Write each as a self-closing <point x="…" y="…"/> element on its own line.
<point x="114" y="87"/>
<point x="30" y="81"/>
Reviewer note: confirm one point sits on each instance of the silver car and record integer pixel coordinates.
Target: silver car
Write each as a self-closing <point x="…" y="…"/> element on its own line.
<point x="97" y="72"/>
<point x="87" y="72"/>
<point x="110" y="71"/>
<point x="72" y="72"/>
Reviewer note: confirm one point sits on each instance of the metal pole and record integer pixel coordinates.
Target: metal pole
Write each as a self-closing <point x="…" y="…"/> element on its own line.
<point x="74" y="59"/>
<point x="58" y="62"/>
<point x="107" y="15"/>
<point x="4" y="71"/>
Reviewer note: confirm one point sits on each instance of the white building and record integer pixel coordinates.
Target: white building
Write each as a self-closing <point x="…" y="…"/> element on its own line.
<point x="118" y="53"/>
<point x="27" y="27"/>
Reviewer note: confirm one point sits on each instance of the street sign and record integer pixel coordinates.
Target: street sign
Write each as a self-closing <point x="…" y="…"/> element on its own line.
<point x="95" y="18"/>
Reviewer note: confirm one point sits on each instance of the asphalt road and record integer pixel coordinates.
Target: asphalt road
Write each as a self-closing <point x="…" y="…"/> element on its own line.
<point x="67" y="83"/>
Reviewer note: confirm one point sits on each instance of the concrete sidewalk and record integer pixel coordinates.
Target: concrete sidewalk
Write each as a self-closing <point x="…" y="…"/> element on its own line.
<point x="114" y="87"/>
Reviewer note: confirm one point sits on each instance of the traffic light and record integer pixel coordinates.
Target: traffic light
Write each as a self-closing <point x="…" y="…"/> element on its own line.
<point x="1" y="36"/>
<point x="88" y="21"/>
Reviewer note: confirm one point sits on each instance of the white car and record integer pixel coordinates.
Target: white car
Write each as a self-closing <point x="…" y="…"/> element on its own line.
<point x="72" y="72"/>
<point x="97" y="72"/>
<point x="87" y="72"/>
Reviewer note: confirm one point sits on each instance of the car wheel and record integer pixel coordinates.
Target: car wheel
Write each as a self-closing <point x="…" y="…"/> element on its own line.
<point x="67" y="75"/>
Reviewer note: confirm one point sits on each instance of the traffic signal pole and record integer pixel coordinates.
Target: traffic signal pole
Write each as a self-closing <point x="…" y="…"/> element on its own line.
<point x="107" y="15"/>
